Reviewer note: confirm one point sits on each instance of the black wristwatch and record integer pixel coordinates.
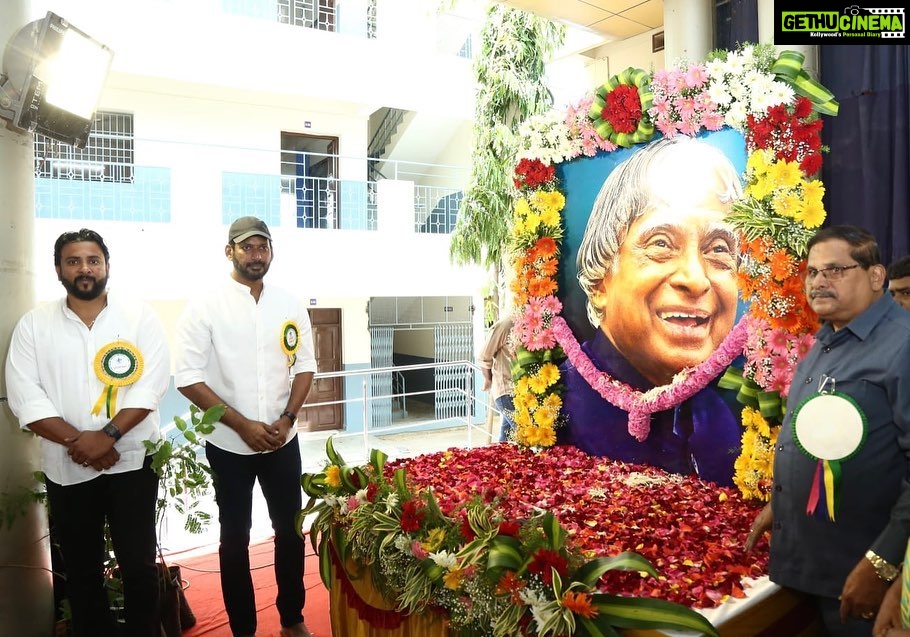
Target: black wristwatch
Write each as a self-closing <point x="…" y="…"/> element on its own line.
<point x="289" y="415"/>
<point x="111" y="430"/>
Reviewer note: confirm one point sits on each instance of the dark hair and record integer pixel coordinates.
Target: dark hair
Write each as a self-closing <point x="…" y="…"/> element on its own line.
<point x="863" y="247"/>
<point x="900" y="268"/>
<point x="84" y="234"/>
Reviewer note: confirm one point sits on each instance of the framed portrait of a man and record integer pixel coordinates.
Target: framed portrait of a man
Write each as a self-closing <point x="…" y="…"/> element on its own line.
<point x="649" y="287"/>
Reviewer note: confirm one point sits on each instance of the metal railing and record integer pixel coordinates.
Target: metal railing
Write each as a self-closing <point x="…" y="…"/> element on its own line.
<point x="466" y="419"/>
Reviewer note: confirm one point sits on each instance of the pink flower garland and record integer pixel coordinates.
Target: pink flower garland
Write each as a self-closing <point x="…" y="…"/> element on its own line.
<point x="641" y="405"/>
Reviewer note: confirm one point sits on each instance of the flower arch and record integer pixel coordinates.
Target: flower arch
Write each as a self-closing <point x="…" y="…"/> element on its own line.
<point x="775" y="105"/>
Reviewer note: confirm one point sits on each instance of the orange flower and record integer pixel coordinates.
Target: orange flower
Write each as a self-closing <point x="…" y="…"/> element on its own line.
<point x="548" y="267"/>
<point x="542" y="287"/>
<point x="545" y="248"/>
<point x="579" y="603"/>
<point x="758" y="248"/>
<point x="510" y="584"/>
<point x="782" y="266"/>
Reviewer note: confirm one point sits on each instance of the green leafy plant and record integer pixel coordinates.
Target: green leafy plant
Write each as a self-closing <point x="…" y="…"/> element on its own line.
<point x="489" y="576"/>
<point x="510" y="66"/>
<point x="185" y="480"/>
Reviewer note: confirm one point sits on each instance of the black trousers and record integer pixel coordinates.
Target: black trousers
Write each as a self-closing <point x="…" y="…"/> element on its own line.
<point x="127" y="502"/>
<point x="278" y="473"/>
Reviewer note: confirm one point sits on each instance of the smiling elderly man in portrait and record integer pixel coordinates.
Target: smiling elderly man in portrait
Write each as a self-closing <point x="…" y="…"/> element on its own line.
<point x="658" y="264"/>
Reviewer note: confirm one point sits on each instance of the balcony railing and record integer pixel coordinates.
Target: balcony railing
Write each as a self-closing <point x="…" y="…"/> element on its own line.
<point x="454" y="33"/>
<point x="315" y="202"/>
<point x="354" y="18"/>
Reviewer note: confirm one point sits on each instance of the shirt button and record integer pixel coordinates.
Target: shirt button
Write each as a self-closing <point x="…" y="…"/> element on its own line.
<point x="777" y="525"/>
<point x="809" y="380"/>
<point x="827" y="349"/>
<point x="778" y="488"/>
<point x="780" y="447"/>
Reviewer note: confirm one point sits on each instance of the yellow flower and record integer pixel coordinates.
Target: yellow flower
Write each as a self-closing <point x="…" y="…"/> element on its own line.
<point x="547" y="437"/>
<point x="788" y="204"/>
<point x="540" y="436"/>
<point x="532" y="222"/>
<point x="549" y="373"/>
<point x="813" y="190"/>
<point x="522" y="208"/>
<point x="333" y="476"/>
<point x="813" y="214"/>
<point x="537" y="384"/>
<point x="785" y="173"/>
<point x="553" y="401"/>
<point x="453" y="579"/>
<point x="757" y="163"/>
<point x="548" y="200"/>
<point x="544" y="417"/>
<point x="434" y="539"/>
<point x="522" y="417"/>
<point x="550" y="217"/>
<point x="760" y="189"/>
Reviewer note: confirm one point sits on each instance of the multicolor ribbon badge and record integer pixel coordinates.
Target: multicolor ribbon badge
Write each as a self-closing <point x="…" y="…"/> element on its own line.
<point x="290" y="341"/>
<point x="829" y="428"/>
<point x="117" y="364"/>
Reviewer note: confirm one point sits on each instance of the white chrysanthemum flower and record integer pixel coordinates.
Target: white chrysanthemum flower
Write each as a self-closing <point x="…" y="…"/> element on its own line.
<point x="748" y="54"/>
<point x="753" y="79"/>
<point x="781" y="93"/>
<point x="444" y="559"/>
<point x="735" y="63"/>
<point x="542" y="613"/>
<point x="735" y="116"/>
<point x="716" y="69"/>
<point x="361" y="496"/>
<point x="331" y="500"/>
<point x="531" y="596"/>
<point x="719" y="93"/>
<point x="391" y="502"/>
<point x="402" y="542"/>
<point x="738" y="90"/>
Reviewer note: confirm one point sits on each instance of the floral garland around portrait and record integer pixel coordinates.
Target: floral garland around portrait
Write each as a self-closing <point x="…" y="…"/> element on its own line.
<point x="773" y="102"/>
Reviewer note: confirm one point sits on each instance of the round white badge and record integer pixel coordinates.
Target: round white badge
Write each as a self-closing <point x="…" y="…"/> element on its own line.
<point x="829" y="426"/>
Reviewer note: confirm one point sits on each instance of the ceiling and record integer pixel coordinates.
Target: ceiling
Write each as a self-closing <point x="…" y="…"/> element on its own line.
<point x="614" y="19"/>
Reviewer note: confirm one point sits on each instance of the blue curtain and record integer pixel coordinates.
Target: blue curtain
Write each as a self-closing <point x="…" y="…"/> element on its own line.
<point x="867" y="172"/>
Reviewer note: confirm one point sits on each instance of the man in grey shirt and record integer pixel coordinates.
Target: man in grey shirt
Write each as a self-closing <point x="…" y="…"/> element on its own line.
<point x="839" y="528"/>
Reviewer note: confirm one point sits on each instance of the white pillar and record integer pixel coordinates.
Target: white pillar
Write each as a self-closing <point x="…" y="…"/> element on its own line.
<point x="766" y="18"/>
<point x="26" y="597"/>
<point x="688" y="30"/>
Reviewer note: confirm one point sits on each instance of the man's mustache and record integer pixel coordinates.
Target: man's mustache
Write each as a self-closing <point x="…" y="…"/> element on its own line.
<point x="822" y="294"/>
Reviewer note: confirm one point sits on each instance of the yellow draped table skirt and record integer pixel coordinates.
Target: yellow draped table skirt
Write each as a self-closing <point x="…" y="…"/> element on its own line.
<point x="357" y="609"/>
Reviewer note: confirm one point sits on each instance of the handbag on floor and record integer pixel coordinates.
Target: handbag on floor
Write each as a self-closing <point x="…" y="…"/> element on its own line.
<point x="176" y="614"/>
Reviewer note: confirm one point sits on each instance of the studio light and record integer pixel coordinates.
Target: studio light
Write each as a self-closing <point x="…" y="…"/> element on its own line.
<point x="52" y="78"/>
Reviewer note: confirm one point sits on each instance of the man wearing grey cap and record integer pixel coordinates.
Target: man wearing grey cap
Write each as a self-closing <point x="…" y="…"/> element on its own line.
<point x="249" y="346"/>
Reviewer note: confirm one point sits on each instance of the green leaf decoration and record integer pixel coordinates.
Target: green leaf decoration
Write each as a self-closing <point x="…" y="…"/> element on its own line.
<point x="641" y="612"/>
<point x="789" y="69"/>
<point x="592" y="571"/>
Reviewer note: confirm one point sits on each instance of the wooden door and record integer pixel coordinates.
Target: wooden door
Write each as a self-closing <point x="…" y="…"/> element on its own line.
<point x="326" y="324"/>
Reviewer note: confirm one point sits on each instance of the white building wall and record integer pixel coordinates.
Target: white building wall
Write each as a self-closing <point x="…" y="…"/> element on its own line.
<point x="211" y="93"/>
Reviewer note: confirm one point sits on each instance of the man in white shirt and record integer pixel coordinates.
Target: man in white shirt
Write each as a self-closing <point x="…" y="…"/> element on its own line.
<point x="86" y="374"/>
<point x="249" y="346"/>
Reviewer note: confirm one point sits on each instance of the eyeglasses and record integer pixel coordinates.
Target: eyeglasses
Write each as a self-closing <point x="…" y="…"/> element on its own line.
<point x="834" y="273"/>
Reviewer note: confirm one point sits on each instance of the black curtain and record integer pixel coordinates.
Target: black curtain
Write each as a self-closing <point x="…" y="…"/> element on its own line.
<point x="867" y="172"/>
<point x="736" y="21"/>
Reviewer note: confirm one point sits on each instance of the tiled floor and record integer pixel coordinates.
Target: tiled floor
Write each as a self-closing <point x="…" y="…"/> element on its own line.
<point x="353" y="448"/>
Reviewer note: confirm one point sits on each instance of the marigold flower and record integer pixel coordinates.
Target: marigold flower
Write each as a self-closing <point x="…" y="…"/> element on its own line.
<point x="333" y="476"/>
